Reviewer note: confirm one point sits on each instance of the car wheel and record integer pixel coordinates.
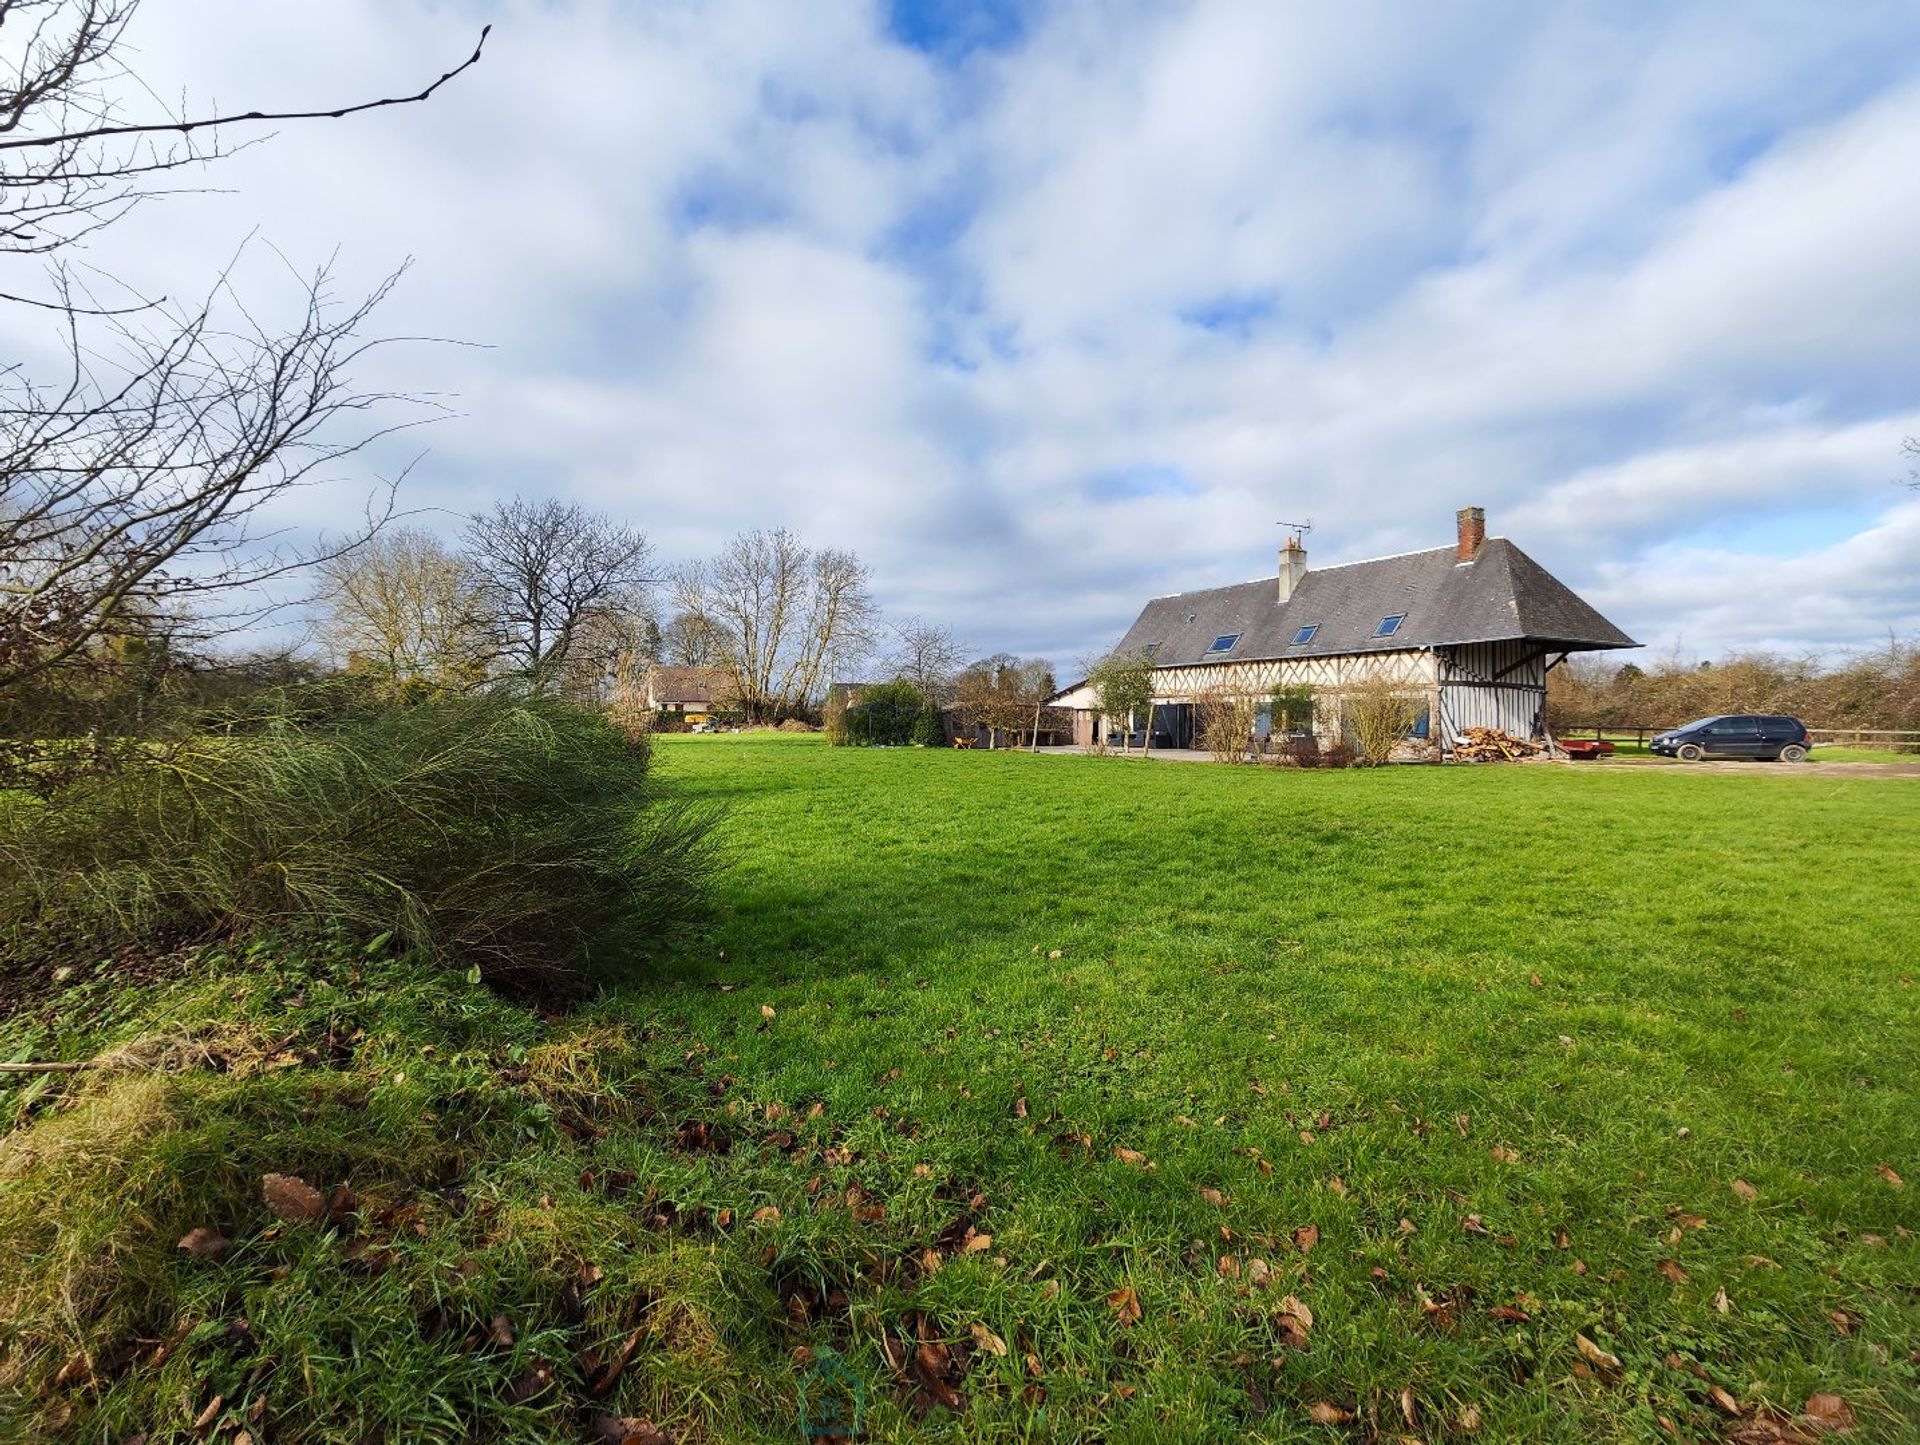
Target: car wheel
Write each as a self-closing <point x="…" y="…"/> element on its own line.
<point x="1793" y="753"/>
<point x="1690" y="752"/>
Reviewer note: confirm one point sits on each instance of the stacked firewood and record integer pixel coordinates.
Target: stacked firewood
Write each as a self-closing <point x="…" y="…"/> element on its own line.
<point x="1491" y="745"/>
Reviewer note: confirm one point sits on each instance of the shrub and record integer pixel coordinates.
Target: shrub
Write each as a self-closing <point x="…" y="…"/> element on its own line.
<point x="1380" y="716"/>
<point x="1226" y="720"/>
<point x="884" y="717"/>
<point x="1299" y="751"/>
<point x="519" y="835"/>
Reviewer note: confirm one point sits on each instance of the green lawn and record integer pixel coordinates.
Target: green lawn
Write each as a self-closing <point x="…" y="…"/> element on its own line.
<point x="1465" y="1065"/>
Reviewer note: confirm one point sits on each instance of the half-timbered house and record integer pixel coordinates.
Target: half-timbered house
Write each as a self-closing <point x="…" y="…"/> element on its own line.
<point x="1467" y="632"/>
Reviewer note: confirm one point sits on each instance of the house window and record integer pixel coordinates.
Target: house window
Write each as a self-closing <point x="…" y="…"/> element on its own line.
<point x="1390" y="624"/>
<point x="1150" y="650"/>
<point x="1224" y="642"/>
<point x="1305" y="635"/>
<point x="1423" y="725"/>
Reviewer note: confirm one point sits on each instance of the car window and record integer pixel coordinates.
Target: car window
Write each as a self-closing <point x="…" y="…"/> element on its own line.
<point x="1779" y="727"/>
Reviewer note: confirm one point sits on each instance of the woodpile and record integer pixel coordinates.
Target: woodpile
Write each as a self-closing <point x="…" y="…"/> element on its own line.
<point x="1491" y="745"/>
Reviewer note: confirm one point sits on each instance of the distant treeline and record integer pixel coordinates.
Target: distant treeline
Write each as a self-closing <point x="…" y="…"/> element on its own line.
<point x="1879" y="689"/>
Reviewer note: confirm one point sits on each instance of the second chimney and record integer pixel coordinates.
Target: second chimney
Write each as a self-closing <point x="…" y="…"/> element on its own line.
<point x="1471" y="524"/>
<point x="1293" y="566"/>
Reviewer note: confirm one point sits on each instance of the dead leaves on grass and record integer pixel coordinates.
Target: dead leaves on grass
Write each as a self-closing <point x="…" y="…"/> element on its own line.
<point x="1125" y="1305"/>
<point x="204" y="1243"/>
<point x="1608" y="1365"/>
<point x="293" y="1199"/>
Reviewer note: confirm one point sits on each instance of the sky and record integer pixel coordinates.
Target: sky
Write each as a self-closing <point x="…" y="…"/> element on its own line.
<point x="1047" y="308"/>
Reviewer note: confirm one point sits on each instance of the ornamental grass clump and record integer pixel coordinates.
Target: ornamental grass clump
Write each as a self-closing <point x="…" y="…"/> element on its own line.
<point x="520" y="836"/>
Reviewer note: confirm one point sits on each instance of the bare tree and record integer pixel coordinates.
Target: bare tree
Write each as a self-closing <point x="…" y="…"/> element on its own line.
<point x="1911" y="446"/>
<point x="1005" y="695"/>
<point x="554" y="583"/>
<point x="407" y="604"/>
<point x="133" y="482"/>
<point x="693" y="639"/>
<point x="779" y="614"/>
<point x="70" y="163"/>
<point x="927" y="655"/>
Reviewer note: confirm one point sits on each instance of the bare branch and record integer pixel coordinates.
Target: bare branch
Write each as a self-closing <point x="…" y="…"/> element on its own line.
<point x="187" y="127"/>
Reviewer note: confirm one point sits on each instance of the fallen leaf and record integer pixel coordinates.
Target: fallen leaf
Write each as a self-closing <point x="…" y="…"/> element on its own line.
<point x="1745" y="1190"/>
<point x="292" y="1198"/>
<point x="1214" y="1197"/>
<point x="1842" y="1321"/>
<point x="767" y="1013"/>
<point x="1322" y="1413"/>
<point x="1338" y="1186"/>
<point x="1125" y="1305"/>
<point x="1291" y="1308"/>
<point x="1672" y="1271"/>
<point x="1610" y="1364"/>
<point x="1503" y="1155"/>
<point x="1306" y="1237"/>
<point x="1561" y="1239"/>
<point x="1723" y="1401"/>
<point x="1469" y="1420"/>
<point x="210" y="1413"/>
<point x="1512" y="1314"/>
<point x="987" y="1340"/>
<point x="1720" y="1301"/>
<point x="1407" y="1410"/>
<point x="1886" y="1172"/>
<point x="204" y="1243"/>
<point x="1020" y="1107"/>
<point x="1534" y="979"/>
<point x="1829" y="1411"/>
<point x="1259" y="1273"/>
<point x="1473" y="1224"/>
<point x="1464" y="1124"/>
<point x="766" y="1214"/>
<point x="975" y="1243"/>
<point x="1131" y="1156"/>
<point x="1229" y="1267"/>
<point x="629" y="1430"/>
<point x="502" y="1332"/>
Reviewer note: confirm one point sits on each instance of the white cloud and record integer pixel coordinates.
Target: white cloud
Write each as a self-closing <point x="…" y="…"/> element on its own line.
<point x="1614" y="276"/>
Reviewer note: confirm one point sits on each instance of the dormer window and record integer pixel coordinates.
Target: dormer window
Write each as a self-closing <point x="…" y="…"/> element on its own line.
<point x="1304" y="635"/>
<point x="1223" y="643"/>
<point x="1390" y="624"/>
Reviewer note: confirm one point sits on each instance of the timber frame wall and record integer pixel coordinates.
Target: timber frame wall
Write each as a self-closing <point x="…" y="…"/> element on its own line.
<point x="1476" y="684"/>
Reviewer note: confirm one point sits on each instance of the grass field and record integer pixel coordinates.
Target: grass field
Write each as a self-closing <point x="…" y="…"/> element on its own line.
<point x="1065" y="1099"/>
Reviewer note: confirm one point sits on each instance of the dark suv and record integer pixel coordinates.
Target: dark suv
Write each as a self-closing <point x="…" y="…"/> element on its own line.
<point x="1777" y="739"/>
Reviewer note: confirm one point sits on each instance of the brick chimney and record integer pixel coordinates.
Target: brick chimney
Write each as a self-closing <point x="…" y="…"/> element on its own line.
<point x="1293" y="567"/>
<point x="1471" y="524"/>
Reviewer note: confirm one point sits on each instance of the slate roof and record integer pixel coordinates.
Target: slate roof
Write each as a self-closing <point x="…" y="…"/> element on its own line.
<point x="683" y="686"/>
<point x="1502" y="594"/>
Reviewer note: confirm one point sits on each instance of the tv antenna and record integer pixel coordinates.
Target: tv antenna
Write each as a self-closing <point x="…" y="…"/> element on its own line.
<point x="1300" y="529"/>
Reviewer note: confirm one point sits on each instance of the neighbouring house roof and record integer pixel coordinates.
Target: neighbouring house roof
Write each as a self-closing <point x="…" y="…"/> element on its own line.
<point x="1502" y="594"/>
<point x="683" y="687"/>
